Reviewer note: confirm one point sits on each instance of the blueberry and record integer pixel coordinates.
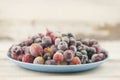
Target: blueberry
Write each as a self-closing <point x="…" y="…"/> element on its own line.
<point x="47" y="40"/>
<point x="62" y="45"/>
<point x="72" y="41"/>
<point x="66" y="39"/>
<point x="84" y="52"/>
<point x="47" y="56"/>
<point x="84" y="59"/>
<point x="79" y="54"/>
<point x="16" y="50"/>
<point x="91" y="51"/>
<point x="78" y="43"/>
<point x="79" y="48"/>
<point x="38" y="40"/>
<point x="70" y="35"/>
<point x="73" y="48"/>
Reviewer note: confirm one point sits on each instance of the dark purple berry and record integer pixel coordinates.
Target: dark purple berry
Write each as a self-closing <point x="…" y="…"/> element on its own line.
<point x="92" y="42"/>
<point x="84" y="59"/>
<point x="70" y="35"/>
<point x="16" y="50"/>
<point x="85" y="42"/>
<point x="84" y="52"/>
<point x="47" y="56"/>
<point x="78" y="43"/>
<point x="72" y="41"/>
<point x="79" y="54"/>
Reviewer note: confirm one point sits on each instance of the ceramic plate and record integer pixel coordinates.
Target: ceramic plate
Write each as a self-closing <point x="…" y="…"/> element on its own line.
<point x="57" y="68"/>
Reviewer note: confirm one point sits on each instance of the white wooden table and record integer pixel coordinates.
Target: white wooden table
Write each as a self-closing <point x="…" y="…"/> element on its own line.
<point x="107" y="71"/>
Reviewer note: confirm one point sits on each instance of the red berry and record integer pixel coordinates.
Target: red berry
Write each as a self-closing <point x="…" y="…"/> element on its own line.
<point x="48" y="50"/>
<point x="36" y="50"/>
<point x="28" y="58"/>
<point x="58" y="57"/>
<point x="75" y="61"/>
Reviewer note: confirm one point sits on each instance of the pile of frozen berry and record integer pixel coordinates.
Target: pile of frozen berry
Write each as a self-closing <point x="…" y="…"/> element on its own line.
<point x="55" y="48"/>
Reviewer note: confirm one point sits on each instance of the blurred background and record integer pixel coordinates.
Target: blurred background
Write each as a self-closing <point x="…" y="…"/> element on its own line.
<point x="98" y="19"/>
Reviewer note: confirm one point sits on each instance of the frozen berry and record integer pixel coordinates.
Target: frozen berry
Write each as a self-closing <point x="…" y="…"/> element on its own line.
<point x="62" y="45"/>
<point x="64" y="34"/>
<point x="84" y="52"/>
<point x="60" y="51"/>
<point x="92" y="42"/>
<point x="28" y="58"/>
<point x="47" y="56"/>
<point x="97" y="47"/>
<point x="89" y="61"/>
<point x="91" y="51"/>
<point x="46" y="40"/>
<point x="41" y="35"/>
<point x="58" y="57"/>
<point x="22" y="44"/>
<point x="78" y="43"/>
<point x="20" y="57"/>
<point x="75" y="61"/>
<point x="48" y="50"/>
<point x="50" y="62"/>
<point x="84" y="59"/>
<point x="57" y="41"/>
<point x="66" y="39"/>
<point x="97" y="57"/>
<point x="79" y="54"/>
<point x="14" y="56"/>
<point x="36" y="50"/>
<point x="28" y="42"/>
<point x="72" y="41"/>
<point x="53" y="48"/>
<point x="104" y="52"/>
<point x="26" y="49"/>
<point x="38" y="60"/>
<point x="15" y="49"/>
<point x="68" y="55"/>
<point x="38" y="40"/>
<point x="85" y="42"/>
<point x="35" y="37"/>
<point x="79" y="48"/>
<point x="70" y="35"/>
<point x="73" y="48"/>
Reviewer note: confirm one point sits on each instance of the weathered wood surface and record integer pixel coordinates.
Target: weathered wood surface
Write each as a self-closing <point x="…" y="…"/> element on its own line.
<point x="107" y="71"/>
